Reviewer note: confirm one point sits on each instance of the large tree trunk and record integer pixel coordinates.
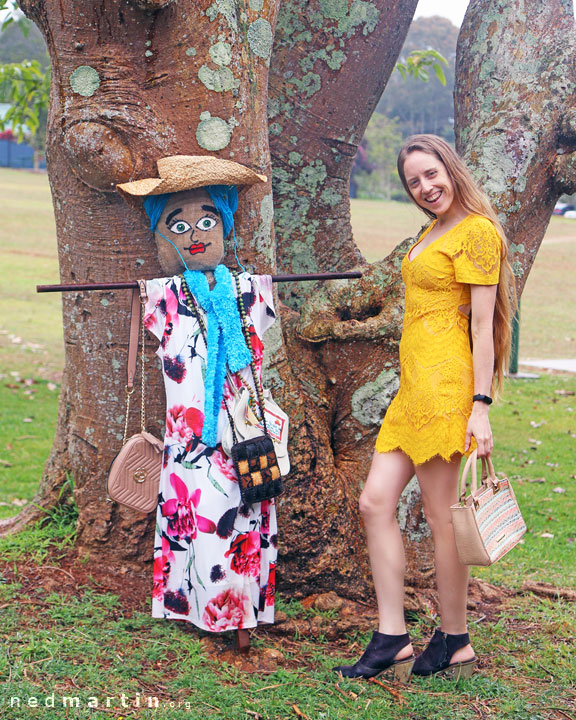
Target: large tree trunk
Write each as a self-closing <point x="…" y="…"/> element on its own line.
<point x="516" y="113"/>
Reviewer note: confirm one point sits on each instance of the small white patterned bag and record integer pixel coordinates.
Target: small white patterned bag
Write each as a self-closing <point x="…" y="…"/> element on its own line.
<point x="488" y="523"/>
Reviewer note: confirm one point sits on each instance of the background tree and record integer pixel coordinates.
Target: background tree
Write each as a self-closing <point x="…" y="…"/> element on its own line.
<point x="383" y="142"/>
<point x="17" y="44"/>
<point x="26" y="87"/>
<point x="134" y="80"/>
<point x="424" y="107"/>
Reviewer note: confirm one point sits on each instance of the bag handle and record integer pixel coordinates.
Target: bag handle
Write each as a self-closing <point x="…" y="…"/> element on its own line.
<point x="138" y="301"/>
<point x="488" y="478"/>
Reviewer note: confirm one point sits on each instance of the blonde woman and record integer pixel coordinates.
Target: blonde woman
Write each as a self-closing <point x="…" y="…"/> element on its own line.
<point x="455" y="343"/>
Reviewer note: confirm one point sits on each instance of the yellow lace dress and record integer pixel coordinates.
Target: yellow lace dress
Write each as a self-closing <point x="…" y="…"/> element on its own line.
<point x="429" y="415"/>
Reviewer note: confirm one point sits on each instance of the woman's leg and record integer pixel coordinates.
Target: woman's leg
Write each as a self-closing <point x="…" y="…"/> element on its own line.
<point x="439" y="486"/>
<point x="389" y="474"/>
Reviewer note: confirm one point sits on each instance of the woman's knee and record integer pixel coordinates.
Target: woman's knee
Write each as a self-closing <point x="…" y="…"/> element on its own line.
<point x="377" y="500"/>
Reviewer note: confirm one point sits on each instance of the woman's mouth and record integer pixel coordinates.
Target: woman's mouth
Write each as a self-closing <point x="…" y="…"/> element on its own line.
<point x="434" y="197"/>
<point x="196" y="248"/>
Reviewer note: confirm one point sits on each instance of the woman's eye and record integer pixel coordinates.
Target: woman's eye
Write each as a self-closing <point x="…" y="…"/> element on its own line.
<point x="179" y="227"/>
<point x="206" y="223"/>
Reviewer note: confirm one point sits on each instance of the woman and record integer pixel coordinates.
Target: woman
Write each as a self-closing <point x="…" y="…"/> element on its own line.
<point x="458" y="295"/>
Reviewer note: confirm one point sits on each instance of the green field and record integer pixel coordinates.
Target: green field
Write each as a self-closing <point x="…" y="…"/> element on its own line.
<point x="64" y="636"/>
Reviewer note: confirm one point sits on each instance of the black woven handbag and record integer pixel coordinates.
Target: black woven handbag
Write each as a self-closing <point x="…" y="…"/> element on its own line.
<point x="257" y="469"/>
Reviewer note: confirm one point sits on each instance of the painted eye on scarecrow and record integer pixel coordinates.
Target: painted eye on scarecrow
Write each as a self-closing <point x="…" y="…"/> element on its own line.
<point x="179" y="227"/>
<point x="206" y="223"/>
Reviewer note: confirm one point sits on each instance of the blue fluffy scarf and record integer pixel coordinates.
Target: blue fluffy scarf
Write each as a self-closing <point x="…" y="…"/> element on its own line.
<point x="225" y="340"/>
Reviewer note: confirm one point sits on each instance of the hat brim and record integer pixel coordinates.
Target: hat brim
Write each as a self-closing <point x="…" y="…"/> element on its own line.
<point x="187" y="172"/>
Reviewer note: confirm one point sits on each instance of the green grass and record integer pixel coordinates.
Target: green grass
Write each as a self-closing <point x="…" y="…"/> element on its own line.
<point x="29" y="411"/>
<point x="88" y="645"/>
<point x="30" y="324"/>
<point x="534" y="427"/>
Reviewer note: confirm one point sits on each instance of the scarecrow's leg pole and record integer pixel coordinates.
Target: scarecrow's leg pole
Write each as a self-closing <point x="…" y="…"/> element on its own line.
<point x="242" y="641"/>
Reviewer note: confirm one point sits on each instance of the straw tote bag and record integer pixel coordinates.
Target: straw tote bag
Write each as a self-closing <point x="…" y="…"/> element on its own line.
<point x="488" y="522"/>
<point x="134" y="475"/>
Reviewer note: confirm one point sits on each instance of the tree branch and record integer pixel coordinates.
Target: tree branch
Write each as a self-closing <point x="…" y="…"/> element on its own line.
<point x="151" y="4"/>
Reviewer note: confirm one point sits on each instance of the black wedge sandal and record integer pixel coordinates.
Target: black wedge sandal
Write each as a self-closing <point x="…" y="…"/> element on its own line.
<point x="436" y="657"/>
<point x="379" y="657"/>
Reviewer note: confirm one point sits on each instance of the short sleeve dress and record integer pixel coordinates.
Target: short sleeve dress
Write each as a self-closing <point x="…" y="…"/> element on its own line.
<point x="429" y="415"/>
<point x="214" y="559"/>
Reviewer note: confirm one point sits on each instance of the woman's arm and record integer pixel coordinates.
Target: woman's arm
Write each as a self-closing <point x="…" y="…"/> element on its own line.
<point x="483" y="299"/>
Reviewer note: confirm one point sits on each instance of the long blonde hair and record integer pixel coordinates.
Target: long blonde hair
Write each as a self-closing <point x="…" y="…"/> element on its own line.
<point x="475" y="202"/>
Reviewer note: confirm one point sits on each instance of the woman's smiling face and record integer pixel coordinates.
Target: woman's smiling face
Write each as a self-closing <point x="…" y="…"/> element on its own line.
<point x="193" y="224"/>
<point x="429" y="183"/>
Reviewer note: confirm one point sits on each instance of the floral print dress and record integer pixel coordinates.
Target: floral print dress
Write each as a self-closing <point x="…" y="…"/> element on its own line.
<point x="214" y="559"/>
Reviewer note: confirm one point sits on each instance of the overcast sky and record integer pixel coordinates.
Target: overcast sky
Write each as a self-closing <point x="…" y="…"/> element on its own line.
<point x="452" y="9"/>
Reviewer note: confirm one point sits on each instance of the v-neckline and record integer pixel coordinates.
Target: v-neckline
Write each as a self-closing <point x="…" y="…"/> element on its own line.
<point x="428" y="229"/>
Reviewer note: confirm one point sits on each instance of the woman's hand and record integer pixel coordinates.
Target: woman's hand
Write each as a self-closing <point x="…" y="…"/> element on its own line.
<point x="479" y="427"/>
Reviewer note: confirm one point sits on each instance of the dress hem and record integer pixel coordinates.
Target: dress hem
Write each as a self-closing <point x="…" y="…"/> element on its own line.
<point x="446" y="458"/>
<point x="207" y="629"/>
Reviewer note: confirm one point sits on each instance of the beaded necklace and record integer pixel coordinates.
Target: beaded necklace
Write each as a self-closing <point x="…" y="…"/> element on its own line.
<point x="192" y="304"/>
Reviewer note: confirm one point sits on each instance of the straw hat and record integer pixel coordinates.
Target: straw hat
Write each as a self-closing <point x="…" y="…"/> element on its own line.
<point x="185" y="172"/>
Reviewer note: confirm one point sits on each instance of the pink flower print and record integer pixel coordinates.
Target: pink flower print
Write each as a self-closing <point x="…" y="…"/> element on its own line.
<point x="257" y="346"/>
<point x="176" y="426"/>
<point x="183" y="521"/>
<point x="183" y="423"/>
<point x="224" y="464"/>
<point x="195" y="420"/>
<point x="226" y="611"/>
<point x="171" y="307"/>
<point x="271" y="586"/>
<point x="265" y="523"/>
<point x="162" y="564"/>
<point x="245" y="551"/>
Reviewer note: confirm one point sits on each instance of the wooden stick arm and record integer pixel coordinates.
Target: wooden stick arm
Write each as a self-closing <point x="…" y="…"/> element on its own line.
<point x="133" y="284"/>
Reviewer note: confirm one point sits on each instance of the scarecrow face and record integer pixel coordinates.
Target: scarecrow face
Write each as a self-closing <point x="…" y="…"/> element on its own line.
<point x="193" y="224"/>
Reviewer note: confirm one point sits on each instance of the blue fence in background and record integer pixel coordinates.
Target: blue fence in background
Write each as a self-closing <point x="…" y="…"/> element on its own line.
<point x="17" y="155"/>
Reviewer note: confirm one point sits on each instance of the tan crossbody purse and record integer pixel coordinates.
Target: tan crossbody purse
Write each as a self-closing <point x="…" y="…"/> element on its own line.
<point x="134" y="475"/>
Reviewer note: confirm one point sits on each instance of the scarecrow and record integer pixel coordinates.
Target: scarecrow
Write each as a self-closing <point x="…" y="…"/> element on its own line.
<point x="214" y="557"/>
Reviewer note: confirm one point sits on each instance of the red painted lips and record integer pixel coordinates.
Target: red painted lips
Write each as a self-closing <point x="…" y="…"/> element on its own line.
<point x="197" y="248"/>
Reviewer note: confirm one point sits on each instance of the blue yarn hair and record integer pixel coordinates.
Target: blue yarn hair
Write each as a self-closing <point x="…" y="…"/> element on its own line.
<point x="154" y="206"/>
<point x="225" y="199"/>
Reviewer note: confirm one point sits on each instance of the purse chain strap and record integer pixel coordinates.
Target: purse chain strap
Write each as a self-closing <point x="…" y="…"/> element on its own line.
<point x="193" y="305"/>
<point x="139" y="299"/>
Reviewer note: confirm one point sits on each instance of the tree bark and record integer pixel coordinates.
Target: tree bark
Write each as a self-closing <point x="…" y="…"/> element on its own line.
<point x="516" y="113"/>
